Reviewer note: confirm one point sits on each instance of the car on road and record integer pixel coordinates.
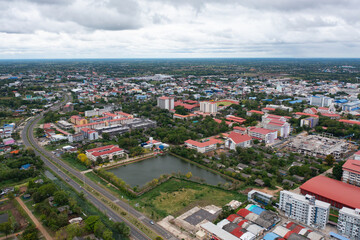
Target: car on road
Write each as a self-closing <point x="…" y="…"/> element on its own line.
<point x="151" y="222"/>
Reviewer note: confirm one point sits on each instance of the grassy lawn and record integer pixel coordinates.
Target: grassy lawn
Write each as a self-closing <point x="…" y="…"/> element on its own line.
<point x="333" y="218"/>
<point x="74" y="162"/>
<point x="52" y="147"/>
<point x="176" y="196"/>
<point x="224" y="103"/>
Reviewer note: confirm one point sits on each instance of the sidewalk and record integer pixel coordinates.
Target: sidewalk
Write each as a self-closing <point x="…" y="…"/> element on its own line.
<point x="34" y="219"/>
<point x="11" y="235"/>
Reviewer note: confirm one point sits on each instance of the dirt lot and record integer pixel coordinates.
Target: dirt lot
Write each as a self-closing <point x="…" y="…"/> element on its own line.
<point x="17" y="215"/>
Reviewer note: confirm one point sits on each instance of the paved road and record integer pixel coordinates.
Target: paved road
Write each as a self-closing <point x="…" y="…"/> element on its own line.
<point x="34" y="219"/>
<point x="135" y="232"/>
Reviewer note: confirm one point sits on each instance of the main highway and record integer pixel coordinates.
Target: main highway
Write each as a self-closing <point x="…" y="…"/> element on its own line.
<point x="52" y="162"/>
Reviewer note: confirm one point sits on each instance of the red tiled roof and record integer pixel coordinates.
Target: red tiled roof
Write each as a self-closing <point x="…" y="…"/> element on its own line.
<point x="101" y="148"/>
<point x="349" y="121"/>
<point x="242" y="222"/>
<point x="334" y="190"/>
<point x="232" y="217"/>
<point x="352" y="166"/>
<point x="257" y="112"/>
<point x="330" y="115"/>
<point x="238" y="137"/>
<point x="237" y="232"/>
<point x="240" y="128"/>
<point x="306" y="114"/>
<point x="115" y="149"/>
<point x="262" y="131"/>
<point x="268" y="108"/>
<point x="243" y="212"/>
<point x="203" y="144"/>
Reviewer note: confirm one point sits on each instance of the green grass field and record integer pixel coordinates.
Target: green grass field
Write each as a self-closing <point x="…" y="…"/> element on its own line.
<point x="224" y="103"/>
<point x="176" y="196"/>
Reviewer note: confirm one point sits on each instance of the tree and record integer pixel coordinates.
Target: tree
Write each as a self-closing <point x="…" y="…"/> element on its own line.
<point x="30" y="233"/>
<point x="61" y="198"/>
<point x="99" y="228"/>
<point x="82" y="157"/>
<point x="107" y="235"/>
<point x="329" y="160"/>
<point x="6" y="228"/>
<point x="122" y="228"/>
<point x="90" y="222"/>
<point x="337" y="170"/>
<point x="106" y="136"/>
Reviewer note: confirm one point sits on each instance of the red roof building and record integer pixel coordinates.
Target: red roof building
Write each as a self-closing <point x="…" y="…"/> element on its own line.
<point x="108" y="151"/>
<point x="203" y="147"/>
<point x="351" y="172"/>
<point x="337" y="193"/>
<point x="238" y="140"/>
<point x="351" y="122"/>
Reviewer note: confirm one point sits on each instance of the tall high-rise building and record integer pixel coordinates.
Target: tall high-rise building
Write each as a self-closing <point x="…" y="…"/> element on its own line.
<point x="165" y="103"/>
<point x="305" y="209"/>
<point x="349" y="223"/>
<point x="321" y="101"/>
<point x="208" y="107"/>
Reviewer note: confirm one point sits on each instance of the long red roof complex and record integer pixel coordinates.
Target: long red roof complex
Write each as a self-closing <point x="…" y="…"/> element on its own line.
<point x="203" y="144"/>
<point x="306" y="114"/>
<point x="346" y="194"/>
<point x="349" y="121"/>
<point x="257" y="112"/>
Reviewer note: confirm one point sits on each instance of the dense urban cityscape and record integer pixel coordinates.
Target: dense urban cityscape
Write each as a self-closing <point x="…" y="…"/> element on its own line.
<point x="180" y="149"/>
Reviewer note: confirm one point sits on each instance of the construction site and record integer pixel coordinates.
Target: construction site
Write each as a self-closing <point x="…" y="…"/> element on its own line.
<point x="320" y="146"/>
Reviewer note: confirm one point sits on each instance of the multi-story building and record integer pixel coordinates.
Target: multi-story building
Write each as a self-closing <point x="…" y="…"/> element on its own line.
<point x="351" y="172"/>
<point x="278" y="123"/>
<point x="310" y="122"/>
<point x="352" y="106"/>
<point x="109" y="152"/>
<point x="305" y="209"/>
<point x="208" y="107"/>
<point x="266" y="135"/>
<point x="235" y="140"/>
<point x="321" y="101"/>
<point x="203" y="147"/>
<point x="165" y="103"/>
<point x="349" y="223"/>
<point x="77" y="120"/>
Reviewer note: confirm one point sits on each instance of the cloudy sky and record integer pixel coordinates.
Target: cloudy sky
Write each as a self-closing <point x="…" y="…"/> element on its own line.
<point x="179" y="28"/>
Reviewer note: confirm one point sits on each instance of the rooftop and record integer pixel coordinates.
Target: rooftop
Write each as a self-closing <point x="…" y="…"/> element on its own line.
<point x="346" y="194"/>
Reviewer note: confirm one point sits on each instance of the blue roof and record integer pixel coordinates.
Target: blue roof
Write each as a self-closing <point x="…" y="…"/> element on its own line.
<point x="341" y="101"/>
<point x="295" y="101"/>
<point x="287" y="99"/>
<point x="271" y="236"/>
<point x="267" y="100"/>
<point x="255" y="209"/>
<point x="335" y="235"/>
<point x="354" y="109"/>
<point x="26" y="166"/>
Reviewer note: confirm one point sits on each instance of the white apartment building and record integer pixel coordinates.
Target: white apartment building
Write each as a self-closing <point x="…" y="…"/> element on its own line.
<point x="165" y="103"/>
<point x="349" y="223"/>
<point x="305" y="209"/>
<point x="321" y="101"/>
<point x="351" y="172"/>
<point x="208" y="107"/>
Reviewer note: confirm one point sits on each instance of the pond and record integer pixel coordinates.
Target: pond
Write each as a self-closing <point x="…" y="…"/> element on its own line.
<point x="139" y="173"/>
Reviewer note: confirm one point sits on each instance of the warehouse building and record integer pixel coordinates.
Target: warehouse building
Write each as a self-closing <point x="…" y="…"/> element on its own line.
<point x="337" y="193"/>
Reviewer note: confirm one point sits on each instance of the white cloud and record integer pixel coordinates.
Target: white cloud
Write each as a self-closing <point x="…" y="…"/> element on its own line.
<point x="172" y="28"/>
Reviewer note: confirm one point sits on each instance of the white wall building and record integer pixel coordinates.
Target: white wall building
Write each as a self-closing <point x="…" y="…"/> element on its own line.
<point x="305" y="209"/>
<point x="165" y="103"/>
<point x="351" y="172"/>
<point x="208" y="107"/>
<point x="321" y="101"/>
<point x="349" y="223"/>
